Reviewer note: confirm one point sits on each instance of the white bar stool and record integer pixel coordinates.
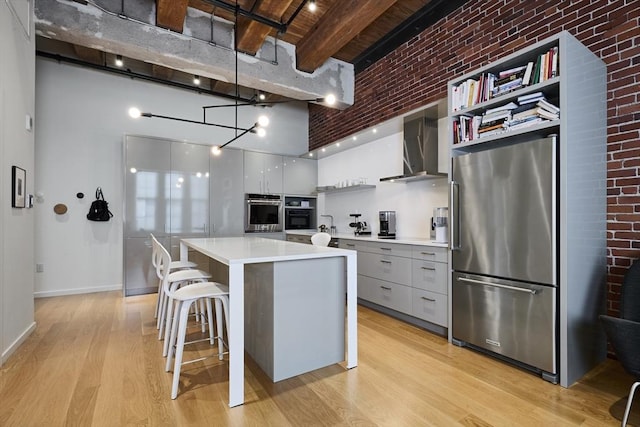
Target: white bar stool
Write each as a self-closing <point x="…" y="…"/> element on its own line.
<point x="173" y="281"/>
<point x="183" y="298"/>
<point x="174" y="265"/>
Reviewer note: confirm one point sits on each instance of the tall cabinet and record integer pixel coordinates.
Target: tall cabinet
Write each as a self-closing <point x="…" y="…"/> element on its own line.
<point x="578" y="89"/>
<point x="167" y="194"/>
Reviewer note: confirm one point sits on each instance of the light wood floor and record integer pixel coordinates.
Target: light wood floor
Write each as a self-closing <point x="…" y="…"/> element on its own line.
<point x="94" y="360"/>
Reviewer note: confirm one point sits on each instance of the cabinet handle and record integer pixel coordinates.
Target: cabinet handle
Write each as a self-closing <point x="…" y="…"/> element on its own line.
<point x="428" y="253"/>
<point x="385" y="288"/>
<point x="351" y="245"/>
<point x="427" y="268"/>
<point x="428" y="299"/>
<point x="385" y="249"/>
<point x="386" y="262"/>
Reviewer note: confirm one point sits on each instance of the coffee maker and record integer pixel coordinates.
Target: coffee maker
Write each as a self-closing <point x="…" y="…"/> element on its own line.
<point x="439" y="225"/>
<point x="387" y="225"/>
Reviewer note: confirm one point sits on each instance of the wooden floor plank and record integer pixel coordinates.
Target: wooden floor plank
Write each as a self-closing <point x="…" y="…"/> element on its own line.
<point x="95" y="360"/>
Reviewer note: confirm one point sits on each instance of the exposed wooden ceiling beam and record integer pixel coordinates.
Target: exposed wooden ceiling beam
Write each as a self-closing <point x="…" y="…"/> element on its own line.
<point x="339" y="25"/>
<point x="89" y="55"/>
<point x="251" y="34"/>
<point x="161" y="72"/>
<point x="170" y="14"/>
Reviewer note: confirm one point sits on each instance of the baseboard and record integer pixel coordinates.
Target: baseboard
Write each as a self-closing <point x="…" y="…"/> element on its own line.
<point x="14" y="345"/>
<point x="63" y="292"/>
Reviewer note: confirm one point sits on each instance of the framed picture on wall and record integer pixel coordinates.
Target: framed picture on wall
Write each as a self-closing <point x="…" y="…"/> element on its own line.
<point x="19" y="187"/>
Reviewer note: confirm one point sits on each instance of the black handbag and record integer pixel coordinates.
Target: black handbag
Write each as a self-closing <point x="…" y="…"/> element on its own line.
<point x="99" y="210"/>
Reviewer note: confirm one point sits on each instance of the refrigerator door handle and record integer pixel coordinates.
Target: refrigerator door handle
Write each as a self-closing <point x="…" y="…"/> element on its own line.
<point x="453" y="230"/>
<point x="512" y="288"/>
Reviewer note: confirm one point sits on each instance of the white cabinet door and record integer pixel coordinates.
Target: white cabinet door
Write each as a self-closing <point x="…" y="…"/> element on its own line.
<point x="262" y="173"/>
<point x="227" y="194"/>
<point x="189" y="189"/>
<point x="272" y="174"/>
<point x="300" y="175"/>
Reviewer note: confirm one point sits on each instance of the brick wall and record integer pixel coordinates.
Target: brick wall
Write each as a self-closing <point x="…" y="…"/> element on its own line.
<point x="482" y="31"/>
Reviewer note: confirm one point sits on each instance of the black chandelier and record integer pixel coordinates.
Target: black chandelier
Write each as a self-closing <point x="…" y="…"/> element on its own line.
<point x="257" y="101"/>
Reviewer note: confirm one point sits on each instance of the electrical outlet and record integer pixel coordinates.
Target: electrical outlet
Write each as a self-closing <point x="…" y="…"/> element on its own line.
<point x="39" y="268"/>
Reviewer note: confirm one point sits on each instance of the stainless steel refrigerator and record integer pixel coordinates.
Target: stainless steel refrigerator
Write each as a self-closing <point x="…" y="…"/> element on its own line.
<point x="504" y="246"/>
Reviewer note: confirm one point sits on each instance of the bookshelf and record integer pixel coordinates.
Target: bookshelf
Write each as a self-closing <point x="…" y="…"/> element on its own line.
<point x="579" y="91"/>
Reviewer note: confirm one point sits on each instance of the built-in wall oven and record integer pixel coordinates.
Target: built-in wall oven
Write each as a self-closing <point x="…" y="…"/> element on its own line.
<point x="299" y="218"/>
<point x="263" y="213"/>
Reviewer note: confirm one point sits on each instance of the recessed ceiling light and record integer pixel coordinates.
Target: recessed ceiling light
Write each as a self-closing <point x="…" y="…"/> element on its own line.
<point x="375" y="130"/>
<point x="354" y="137"/>
<point x="330" y="99"/>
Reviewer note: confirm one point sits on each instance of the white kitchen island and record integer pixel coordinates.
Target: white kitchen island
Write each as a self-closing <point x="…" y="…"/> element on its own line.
<point x="293" y="277"/>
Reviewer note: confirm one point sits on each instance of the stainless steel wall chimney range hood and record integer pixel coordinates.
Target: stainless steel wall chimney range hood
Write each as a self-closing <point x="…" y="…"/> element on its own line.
<point x="420" y="145"/>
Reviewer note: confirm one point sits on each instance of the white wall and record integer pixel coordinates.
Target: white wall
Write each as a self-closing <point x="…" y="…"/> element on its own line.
<point x="17" y="71"/>
<point x="82" y="117"/>
<point x="412" y="201"/>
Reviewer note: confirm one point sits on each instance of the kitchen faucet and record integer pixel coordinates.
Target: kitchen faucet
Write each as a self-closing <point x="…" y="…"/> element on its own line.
<point x="332" y="228"/>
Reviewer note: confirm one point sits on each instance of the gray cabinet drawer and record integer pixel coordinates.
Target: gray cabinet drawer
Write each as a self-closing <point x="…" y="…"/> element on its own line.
<point x="347" y="244"/>
<point x="396" y="249"/>
<point x="390" y="268"/>
<point x="429" y="306"/>
<point x="429" y="276"/>
<point x="298" y="238"/>
<point x="391" y="295"/>
<point x="429" y="253"/>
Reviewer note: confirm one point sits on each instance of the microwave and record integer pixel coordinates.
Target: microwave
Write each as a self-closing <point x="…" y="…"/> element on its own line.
<point x="263" y="213"/>
<point x="298" y="218"/>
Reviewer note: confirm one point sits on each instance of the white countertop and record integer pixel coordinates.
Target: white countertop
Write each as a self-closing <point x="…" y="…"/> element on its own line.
<point x="374" y="238"/>
<point x="249" y="250"/>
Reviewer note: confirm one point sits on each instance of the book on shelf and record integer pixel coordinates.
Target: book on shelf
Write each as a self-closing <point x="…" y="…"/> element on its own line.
<point x="510" y="71"/>
<point x="509" y="106"/>
<point x="500" y="115"/>
<point x="543" y="103"/>
<point x="487" y="85"/>
<point x="526" y="79"/>
<point x="530" y="97"/>
<point x="483" y="129"/>
<point x="520" y="124"/>
<point x="546" y="114"/>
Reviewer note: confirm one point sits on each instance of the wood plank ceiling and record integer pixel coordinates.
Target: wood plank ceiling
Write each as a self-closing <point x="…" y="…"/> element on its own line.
<point x="348" y="30"/>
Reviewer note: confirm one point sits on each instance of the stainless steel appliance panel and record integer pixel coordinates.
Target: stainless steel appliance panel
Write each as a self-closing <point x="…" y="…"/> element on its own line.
<point x="503" y="212"/>
<point x="510" y="318"/>
<point x="263" y="213"/>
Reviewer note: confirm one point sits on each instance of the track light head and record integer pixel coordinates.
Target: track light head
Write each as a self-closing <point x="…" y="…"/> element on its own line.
<point x="312" y="5"/>
<point x="119" y="62"/>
